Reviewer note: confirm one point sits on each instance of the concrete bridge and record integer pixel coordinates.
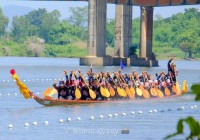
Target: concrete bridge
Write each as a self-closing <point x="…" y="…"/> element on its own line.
<point x="123" y="31"/>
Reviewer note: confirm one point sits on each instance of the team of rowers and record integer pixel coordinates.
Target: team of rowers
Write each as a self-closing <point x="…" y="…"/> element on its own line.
<point x="106" y="86"/>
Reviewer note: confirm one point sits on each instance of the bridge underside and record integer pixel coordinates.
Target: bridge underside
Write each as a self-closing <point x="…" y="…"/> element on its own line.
<point x="154" y="3"/>
<point x="123" y="31"/>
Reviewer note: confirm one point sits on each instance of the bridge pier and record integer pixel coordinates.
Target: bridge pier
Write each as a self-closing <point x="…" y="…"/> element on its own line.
<point x="96" y="34"/>
<point x="123" y="36"/>
<point x="123" y="30"/>
<point x="146" y="32"/>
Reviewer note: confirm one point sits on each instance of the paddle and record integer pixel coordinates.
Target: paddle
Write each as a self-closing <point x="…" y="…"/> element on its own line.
<point x="159" y="92"/>
<point x="112" y="91"/>
<point x="51" y="89"/>
<point x="178" y="88"/>
<point x="138" y="91"/>
<point x="153" y="92"/>
<point x="91" y="92"/>
<point x="185" y="88"/>
<point x="167" y="92"/>
<point x="145" y="92"/>
<point x="174" y="90"/>
<point x="130" y="92"/>
<point x="121" y="92"/>
<point x="104" y="91"/>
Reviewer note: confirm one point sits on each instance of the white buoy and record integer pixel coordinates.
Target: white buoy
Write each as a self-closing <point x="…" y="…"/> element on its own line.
<point x="61" y="121"/>
<point x="26" y="124"/>
<point x="195" y="106"/>
<point x="10" y="126"/>
<point x="150" y="111"/>
<point x="91" y="117"/>
<point x="46" y="122"/>
<point x="110" y="115"/>
<point x="192" y="107"/>
<point x="24" y="80"/>
<point x="115" y="114"/>
<point x="8" y="81"/>
<point x="8" y="94"/>
<point x="55" y="79"/>
<point x="0" y="94"/>
<point x="78" y="119"/>
<point x="123" y="114"/>
<point x="182" y="107"/>
<point x="140" y="112"/>
<point x="38" y="93"/>
<point x="69" y="119"/>
<point x="101" y="116"/>
<point x="155" y="111"/>
<point x="15" y="94"/>
<point x="33" y="79"/>
<point x="132" y="112"/>
<point x="35" y="123"/>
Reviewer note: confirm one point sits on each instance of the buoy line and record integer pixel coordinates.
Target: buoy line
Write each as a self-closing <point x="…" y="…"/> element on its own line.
<point x="101" y="117"/>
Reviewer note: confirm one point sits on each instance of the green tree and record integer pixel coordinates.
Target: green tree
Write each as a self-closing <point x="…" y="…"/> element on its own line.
<point x="64" y="33"/>
<point x="110" y="29"/>
<point x="188" y="47"/>
<point x="79" y="16"/>
<point x="3" y="23"/>
<point x="36" y="23"/>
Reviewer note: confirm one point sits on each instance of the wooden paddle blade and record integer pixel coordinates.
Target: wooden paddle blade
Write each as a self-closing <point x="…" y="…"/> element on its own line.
<point x="132" y="90"/>
<point x="153" y="92"/>
<point x="167" y="92"/>
<point x="129" y="93"/>
<point x="178" y="88"/>
<point x="53" y="92"/>
<point x="104" y="92"/>
<point x="174" y="90"/>
<point x="159" y="93"/>
<point x="185" y="87"/>
<point x="146" y="94"/>
<point x="139" y="92"/>
<point x="47" y="91"/>
<point x="92" y="94"/>
<point x="121" y="92"/>
<point x="112" y="92"/>
<point x="77" y="93"/>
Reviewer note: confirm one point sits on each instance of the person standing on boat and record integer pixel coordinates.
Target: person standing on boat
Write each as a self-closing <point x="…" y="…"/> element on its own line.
<point x="172" y="71"/>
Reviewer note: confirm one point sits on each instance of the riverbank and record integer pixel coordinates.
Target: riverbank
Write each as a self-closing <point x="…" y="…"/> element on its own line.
<point x="75" y="50"/>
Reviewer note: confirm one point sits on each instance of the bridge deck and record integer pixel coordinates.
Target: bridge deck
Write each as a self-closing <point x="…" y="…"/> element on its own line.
<point x="155" y="3"/>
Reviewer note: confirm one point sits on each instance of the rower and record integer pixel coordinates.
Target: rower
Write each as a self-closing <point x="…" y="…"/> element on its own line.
<point x="70" y="84"/>
<point x="63" y="91"/>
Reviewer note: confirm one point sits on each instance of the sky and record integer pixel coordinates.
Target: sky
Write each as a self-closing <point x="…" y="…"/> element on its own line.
<point x="63" y="7"/>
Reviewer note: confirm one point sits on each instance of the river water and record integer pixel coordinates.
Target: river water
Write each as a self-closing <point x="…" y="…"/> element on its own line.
<point x="39" y="73"/>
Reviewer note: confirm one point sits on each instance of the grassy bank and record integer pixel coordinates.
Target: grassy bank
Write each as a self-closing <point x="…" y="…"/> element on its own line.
<point x="10" y="48"/>
<point x="75" y="49"/>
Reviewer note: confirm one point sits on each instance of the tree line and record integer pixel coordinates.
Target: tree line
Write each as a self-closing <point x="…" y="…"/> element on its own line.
<point x="180" y="31"/>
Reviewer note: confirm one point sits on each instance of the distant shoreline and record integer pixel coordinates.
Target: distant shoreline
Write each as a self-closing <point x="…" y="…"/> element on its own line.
<point x="180" y="59"/>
